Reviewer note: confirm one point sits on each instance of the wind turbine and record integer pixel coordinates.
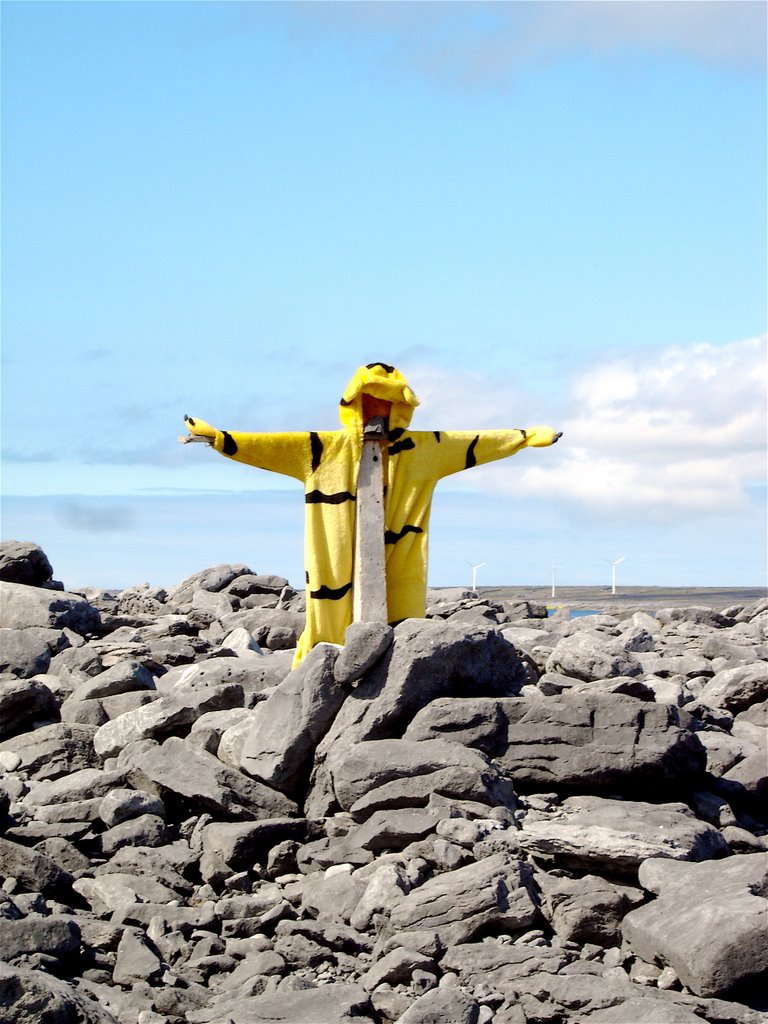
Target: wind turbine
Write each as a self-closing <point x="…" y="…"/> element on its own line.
<point x="613" y="571"/>
<point x="474" y="569"/>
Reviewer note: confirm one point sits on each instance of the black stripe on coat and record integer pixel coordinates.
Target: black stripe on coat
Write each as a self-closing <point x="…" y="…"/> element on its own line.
<point x="230" y="445"/>
<point x="390" y="537"/>
<point x="328" y="594"/>
<point x="402" y="446"/>
<point x="319" y="498"/>
<point x="471" y="460"/>
<point x="317" y="449"/>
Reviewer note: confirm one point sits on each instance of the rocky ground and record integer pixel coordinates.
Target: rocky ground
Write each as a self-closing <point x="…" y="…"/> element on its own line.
<point x="484" y="816"/>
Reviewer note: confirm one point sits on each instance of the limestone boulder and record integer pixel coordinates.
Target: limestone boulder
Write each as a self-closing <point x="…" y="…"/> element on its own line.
<point x="735" y="689"/>
<point x="457" y="904"/>
<point x="589" y="655"/>
<point x="24" y="562"/>
<point x="183" y="775"/>
<point x="22" y="606"/>
<point x="289" y="724"/>
<point x="365" y="769"/>
<point x="171" y="713"/>
<point x="595" y="833"/>
<point x="709" y="921"/>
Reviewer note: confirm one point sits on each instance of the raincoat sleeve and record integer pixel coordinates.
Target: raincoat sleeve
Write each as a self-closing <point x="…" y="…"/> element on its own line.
<point x="288" y="453"/>
<point x="463" y="449"/>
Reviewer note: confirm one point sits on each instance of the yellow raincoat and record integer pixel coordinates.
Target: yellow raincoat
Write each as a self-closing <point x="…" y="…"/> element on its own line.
<point x="327" y="464"/>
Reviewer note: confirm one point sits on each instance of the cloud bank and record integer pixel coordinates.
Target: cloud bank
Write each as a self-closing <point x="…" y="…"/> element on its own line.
<point x="679" y="433"/>
<point x="481" y="44"/>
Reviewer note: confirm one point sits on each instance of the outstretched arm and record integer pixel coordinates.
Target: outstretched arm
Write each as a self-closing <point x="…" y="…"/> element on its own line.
<point x="462" y="449"/>
<point x="288" y="453"/>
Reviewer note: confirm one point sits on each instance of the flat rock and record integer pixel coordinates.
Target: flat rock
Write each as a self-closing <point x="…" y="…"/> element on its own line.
<point x="22" y="606"/>
<point x="442" y="1006"/>
<point x="393" y="829"/>
<point x="178" y="772"/>
<point x="336" y="1003"/>
<point x="599" y="741"/>
<point x="54" y="750"/>
<point x="457" y="904"/>
<point x="122" y="677"/>
<point x="366" y="766"/>
<point x="591" y="832"/>
<point x="55" y="935"/>
<point x="709" y="921"/>
<point x="167" y="714"/>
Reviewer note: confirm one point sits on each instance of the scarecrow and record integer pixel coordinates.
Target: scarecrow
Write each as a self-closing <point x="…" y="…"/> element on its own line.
<point x="328" y="465"/>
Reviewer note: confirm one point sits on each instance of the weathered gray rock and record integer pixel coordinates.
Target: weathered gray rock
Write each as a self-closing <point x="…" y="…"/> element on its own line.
<point x="586" y="909"/>
<point x="435" y="766"/>
<point x="27" y="652"/>
<point x="458" y="904"/>
<point x="22" y="606"/>
<point x="252" y="675"/>
<point x="22" y="561"/>
<point x="291" y="722"/>
<point x="442" y="1006"/>
<point x="587" y="655"/>
<point x="591" y="832"/>
<point x="393" y="829"/>
<point x="170" y="713"/>
<point x="709" y="921"/>
<point x="136" y="960"/>
<point x="336" y="1003"/>
<point x="694" y="613"/>
<point x="121" y="804"/>
<point x="570" y="740"/>
<point x="396" y="968"/>
<point x="84" y="784"/>
<point x="478" y="722"/>
<point x="178" y="772"/>
<point x="214" y="579"/>
<point x="332" y="897"/>
<point x="34" y="871"/>
<point x="22" y="702"/>
<point x="364" y="644"/>
<point x="242" y="844"/>
<point x="33" y="997"/>
<point x="55" y="935"/>
<point x="428" y="659"/>
<point x="122" y="677"/>
<point x="114" y="891"/>
<point x="54" y="750"/>
<point x="735" y="689"/>
<point x="598" y="741"/>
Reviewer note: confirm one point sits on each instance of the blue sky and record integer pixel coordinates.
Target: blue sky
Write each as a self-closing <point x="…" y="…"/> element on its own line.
<point x="541" y="212"/>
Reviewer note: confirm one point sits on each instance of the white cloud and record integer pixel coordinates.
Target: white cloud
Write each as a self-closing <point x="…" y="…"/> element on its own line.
<point x="651" y="435"/>
<point x="484" y="43"/>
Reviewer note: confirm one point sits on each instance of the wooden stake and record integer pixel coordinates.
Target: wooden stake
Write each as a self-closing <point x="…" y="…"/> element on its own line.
<point x="369" y="601"/>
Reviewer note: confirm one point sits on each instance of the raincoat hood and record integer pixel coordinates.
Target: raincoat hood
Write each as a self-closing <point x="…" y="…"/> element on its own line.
<point x="380" y="381"/>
